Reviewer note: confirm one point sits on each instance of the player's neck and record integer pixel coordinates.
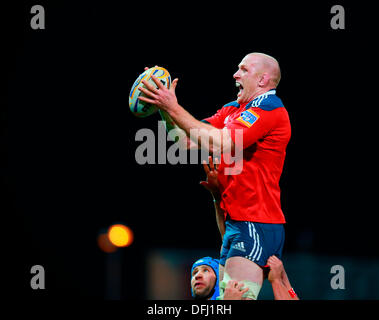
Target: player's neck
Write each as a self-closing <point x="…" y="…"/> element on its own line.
<point x="259" y="92"/>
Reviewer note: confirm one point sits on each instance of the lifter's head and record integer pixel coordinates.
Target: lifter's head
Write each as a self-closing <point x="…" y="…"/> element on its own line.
<point x="257" y="73"/>
<point x="204" y="279"/>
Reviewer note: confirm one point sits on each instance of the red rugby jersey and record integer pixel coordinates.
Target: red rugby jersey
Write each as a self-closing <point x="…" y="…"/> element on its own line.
<point x="254" y="193"/>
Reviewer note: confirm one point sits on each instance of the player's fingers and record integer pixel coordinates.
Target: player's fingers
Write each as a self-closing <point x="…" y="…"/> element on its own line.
<point x="147" y="100"/>
<point x="148" y="86"/>
<point x="240" y="285"/>
<point x="148" y="93"/>
<point x="245" y="290"/>
<point x="272" y="263"/>
<point x="206" y="168"/>
<point x="174" y="84"/>
<point x="211" y="163"/>
<point x="157" y="82"/>
<point x="147" y="68"/>
<point x="217" y="162"/>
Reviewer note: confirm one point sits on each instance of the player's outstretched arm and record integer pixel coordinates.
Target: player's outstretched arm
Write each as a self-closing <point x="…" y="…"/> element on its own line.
<point x="177" y="134"/>
<point x="203" y="134"/>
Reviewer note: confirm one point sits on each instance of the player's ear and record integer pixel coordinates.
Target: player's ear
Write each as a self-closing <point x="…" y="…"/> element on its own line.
<point x="264" y="79"/>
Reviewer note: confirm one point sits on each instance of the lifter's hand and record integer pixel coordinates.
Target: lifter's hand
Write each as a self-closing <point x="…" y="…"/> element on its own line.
<point x="234" y="290"/>
<point x="211" y="184"/>
<point x="161" y="97"/>
<point x="276" y="268"/>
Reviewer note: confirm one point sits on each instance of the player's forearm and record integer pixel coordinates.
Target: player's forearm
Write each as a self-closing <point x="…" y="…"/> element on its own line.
<point x="286" y="281"/>
<point x="287" y="284"/>
<point x="280" y="291"/>
<point x="175" y="133"/>
<point x="219" y="216"/>
<point x="203" y="134"/>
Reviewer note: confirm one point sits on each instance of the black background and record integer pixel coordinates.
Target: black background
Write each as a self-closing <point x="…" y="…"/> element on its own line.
<point x="68" y="136"/>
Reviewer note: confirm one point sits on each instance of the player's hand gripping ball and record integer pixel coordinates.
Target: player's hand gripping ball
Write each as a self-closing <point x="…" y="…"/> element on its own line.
<point x="140" y="108"/>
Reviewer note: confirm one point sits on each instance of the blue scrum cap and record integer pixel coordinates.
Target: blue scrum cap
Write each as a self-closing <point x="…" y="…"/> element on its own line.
<point x="213" y="263"/>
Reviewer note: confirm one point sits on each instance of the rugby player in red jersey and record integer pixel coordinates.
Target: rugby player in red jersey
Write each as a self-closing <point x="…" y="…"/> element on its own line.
<point x="277" y="275"/>
<point x="250" y="199"/>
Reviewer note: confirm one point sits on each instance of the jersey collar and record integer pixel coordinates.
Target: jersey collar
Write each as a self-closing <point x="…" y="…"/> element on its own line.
<point x="260" y="98"/>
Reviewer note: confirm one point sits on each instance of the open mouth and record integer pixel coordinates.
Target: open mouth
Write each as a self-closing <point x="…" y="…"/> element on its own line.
<point x="240" y="87"/>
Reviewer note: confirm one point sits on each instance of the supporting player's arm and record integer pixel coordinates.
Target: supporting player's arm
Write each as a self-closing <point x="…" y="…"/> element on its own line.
<point x="212" y="185"/>
<point x="219" y="217"/>
<point x="279" y="281"/>
<point x="202" y="134"/>
<point x="280" y="291"/>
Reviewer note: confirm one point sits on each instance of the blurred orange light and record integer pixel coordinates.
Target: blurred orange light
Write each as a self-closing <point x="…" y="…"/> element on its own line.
<point x="120" y="235"/>
<point x="104" y="243"/>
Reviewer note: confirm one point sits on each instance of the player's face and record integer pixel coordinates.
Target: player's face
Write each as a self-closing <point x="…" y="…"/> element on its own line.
<point x="247" y="79"/>
<point x="203" y="281"/>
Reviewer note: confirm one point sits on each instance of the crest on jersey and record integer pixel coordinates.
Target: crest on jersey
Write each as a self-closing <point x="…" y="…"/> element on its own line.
<point x="248" y="118"/>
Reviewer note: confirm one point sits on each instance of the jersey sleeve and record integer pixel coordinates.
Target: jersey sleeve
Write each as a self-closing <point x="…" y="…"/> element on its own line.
<point x="252" y="125"/>
<point x="217" y="120"/>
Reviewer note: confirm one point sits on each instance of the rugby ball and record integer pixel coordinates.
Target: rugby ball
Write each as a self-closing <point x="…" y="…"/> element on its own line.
<point x="140" y="108"/>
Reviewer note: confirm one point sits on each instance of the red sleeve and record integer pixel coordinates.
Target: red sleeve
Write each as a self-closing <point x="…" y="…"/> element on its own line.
<point x="252" y="125"/>
<point x="218" y="119"/>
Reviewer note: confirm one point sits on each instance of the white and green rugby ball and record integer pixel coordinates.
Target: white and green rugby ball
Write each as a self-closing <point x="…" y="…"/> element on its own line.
<point x="140" y="108"/>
